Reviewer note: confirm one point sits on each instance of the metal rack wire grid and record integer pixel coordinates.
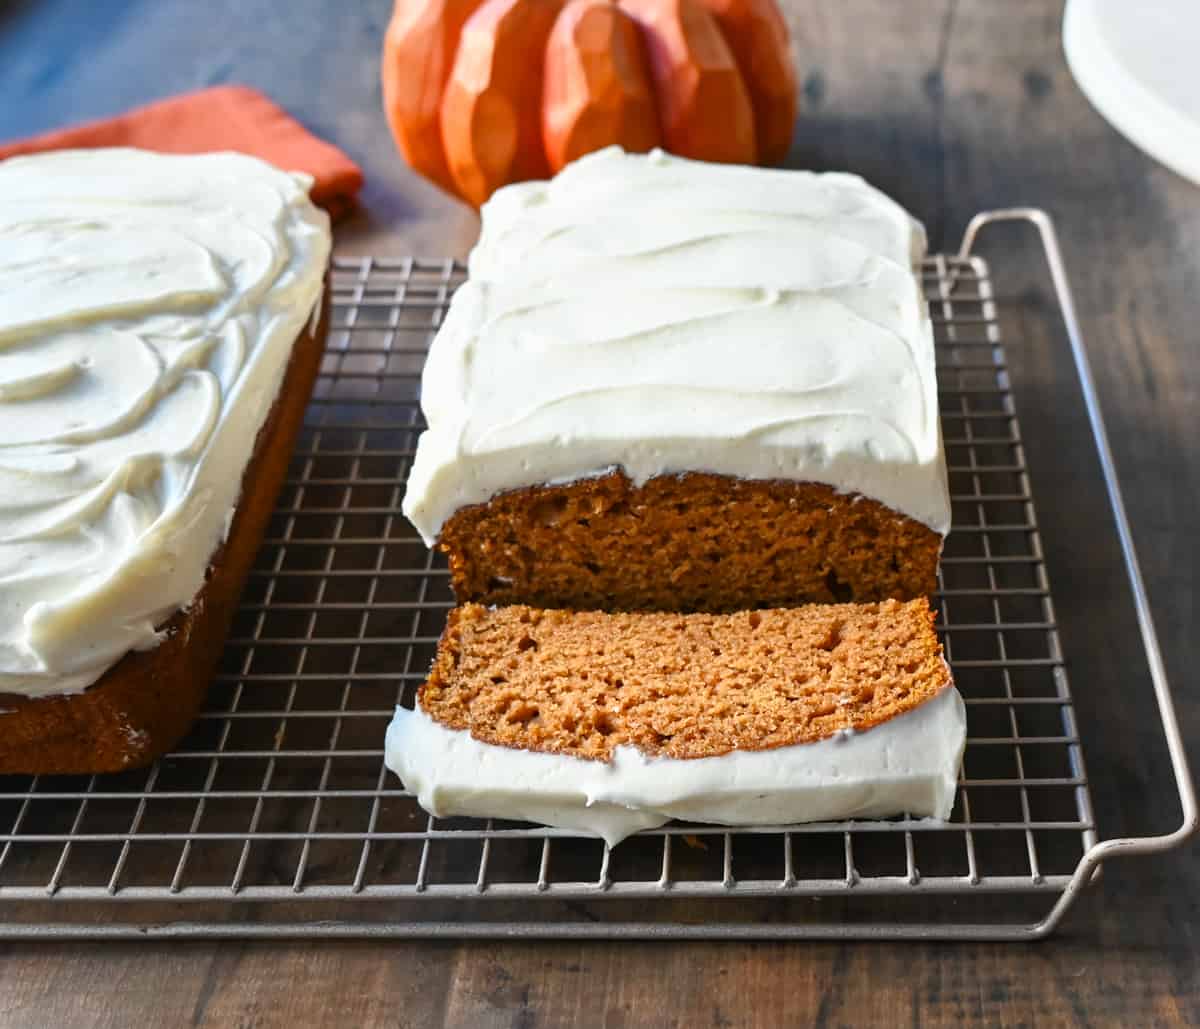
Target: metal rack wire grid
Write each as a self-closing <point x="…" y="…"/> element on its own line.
<point x="280" y="792"/>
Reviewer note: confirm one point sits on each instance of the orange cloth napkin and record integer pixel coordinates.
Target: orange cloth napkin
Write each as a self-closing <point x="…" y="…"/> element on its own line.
<point x="220" y="118"/>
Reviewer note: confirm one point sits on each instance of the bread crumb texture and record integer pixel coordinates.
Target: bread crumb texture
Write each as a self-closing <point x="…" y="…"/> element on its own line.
<point x="680" y="685"/>
<point x="692" y="542"/>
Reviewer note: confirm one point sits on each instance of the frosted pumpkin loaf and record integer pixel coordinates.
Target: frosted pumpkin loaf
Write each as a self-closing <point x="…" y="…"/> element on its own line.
<point x="608" y="723"/>
<point x="659" y="369"/>
<point x="161" y="326"/>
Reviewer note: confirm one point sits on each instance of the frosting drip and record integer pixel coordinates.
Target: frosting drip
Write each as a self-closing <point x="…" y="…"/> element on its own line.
<point x="664" y="316"/>
<point x="148" y="305"/>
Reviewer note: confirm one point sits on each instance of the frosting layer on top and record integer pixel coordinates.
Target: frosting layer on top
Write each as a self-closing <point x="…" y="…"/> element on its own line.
<point x="148" y="307"/>
<point x="663" y="316"/>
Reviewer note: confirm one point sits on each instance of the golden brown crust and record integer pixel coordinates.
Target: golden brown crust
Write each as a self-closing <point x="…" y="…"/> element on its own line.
<point x="684" y="686"/>
<point x="142" y="706"/>
<point x="693" y="542"/>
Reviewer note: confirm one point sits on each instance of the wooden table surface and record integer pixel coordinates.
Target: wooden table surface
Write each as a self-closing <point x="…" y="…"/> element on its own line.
<point x="952" y="106"/>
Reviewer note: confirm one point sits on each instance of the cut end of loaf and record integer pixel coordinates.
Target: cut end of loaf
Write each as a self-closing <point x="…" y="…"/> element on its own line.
<point x="681" y="685"/>
<point x="607" y="544"/>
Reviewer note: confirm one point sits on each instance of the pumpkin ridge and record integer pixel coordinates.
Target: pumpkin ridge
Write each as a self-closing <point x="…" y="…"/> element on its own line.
<point x="480" y="93"/>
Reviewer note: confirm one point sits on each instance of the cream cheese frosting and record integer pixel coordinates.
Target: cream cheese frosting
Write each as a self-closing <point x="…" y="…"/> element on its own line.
<point x="148" y="307"/>
<point x="662" y="315"/>
<point x="906" y="765"/>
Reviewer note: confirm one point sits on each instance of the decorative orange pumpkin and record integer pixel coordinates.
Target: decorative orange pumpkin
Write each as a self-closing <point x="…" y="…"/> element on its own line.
<point x="479" y="93"/>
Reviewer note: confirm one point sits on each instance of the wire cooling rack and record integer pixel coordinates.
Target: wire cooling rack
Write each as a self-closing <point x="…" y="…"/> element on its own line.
<point x="277" y="817"/>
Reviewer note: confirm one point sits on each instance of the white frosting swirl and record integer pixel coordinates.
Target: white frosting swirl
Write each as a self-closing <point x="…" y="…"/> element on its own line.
<point x="665" y="315"/>
<point x="148" y="306"/>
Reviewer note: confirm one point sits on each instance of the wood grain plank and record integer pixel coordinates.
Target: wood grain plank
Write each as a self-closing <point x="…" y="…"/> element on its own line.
<point x="529" y="985"/>
<point x="235" y="983"/>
